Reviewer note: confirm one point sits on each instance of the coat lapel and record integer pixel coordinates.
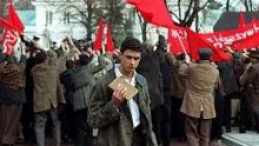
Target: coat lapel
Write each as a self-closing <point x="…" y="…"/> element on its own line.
<point x="141" y="97"/>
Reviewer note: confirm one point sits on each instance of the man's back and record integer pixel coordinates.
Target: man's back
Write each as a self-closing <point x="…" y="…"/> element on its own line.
<point x="202" y="80"/>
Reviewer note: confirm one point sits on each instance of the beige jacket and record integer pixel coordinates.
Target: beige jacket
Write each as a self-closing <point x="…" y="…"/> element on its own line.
<point x="202" y="79"/>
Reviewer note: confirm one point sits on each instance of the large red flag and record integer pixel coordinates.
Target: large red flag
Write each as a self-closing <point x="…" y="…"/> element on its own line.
<point x="196" y="43"/>
<point x="11" y="36"/>
<point x="154" y="12"/>
<point x="99" y="36"/>
<point x="109" y="41"/>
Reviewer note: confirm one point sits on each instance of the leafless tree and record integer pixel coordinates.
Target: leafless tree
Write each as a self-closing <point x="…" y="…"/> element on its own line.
<point x="190" y="10"/>
<point x="94" y="10"/>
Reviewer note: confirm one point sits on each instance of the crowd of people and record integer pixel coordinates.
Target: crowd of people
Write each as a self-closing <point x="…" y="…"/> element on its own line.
<point x="64" y="92"/>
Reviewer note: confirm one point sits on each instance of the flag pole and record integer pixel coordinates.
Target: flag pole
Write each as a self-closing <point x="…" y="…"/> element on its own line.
<point x="187" y="59"/>
<point x="181" y="43"/>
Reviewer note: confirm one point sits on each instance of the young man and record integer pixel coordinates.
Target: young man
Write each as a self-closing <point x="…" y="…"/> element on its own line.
<point x="122" y="122"/>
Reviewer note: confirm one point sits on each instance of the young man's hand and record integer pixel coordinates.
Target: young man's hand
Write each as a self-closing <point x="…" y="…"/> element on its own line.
<point x="119" y="96"/>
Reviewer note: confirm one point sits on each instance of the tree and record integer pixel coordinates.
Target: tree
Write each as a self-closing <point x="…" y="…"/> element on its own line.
<point x="190" y="9"/>
<point x="111" y="11"/>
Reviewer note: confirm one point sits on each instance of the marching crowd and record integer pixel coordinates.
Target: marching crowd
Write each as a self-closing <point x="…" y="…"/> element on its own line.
<point x="64" y="92"/>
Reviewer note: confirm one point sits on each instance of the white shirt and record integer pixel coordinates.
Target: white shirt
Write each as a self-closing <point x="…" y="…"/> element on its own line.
<point x="133" y="106"/>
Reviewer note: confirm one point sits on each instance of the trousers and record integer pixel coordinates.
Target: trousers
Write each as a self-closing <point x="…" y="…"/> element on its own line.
<point x="40" y="125"/>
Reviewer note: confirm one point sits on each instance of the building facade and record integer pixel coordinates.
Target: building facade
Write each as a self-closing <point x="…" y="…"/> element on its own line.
<point x="54" y="21"/>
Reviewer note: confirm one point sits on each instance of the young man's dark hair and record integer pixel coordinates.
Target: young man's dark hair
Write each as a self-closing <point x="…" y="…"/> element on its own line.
<point x="131" y="43"/>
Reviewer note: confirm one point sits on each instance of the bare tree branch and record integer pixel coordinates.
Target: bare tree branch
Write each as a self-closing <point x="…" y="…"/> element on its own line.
<point x="187" y="13"/>
<point x="175" y="15"/>
<point x="179" y="9"/>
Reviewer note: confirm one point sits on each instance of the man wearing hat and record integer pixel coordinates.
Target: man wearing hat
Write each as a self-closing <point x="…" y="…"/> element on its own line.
<point x="250" y="81"/>
<point x="198" y="102"/>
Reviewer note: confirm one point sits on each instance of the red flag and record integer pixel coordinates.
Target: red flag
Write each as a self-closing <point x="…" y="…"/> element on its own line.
<point x="14" y="19"/>
<point x="6" y="24"/>
<point x="196" y="43"/>
<point x="242" y="20"/>
<point x="154" y="12"/>
<point x="10" y="38"/>
<point x="11" y="35"/>
<point x="99" y="35"/>
<point x="246" y="44"/>
<point x="174" y="41"/>
<point x="109" y="41"/>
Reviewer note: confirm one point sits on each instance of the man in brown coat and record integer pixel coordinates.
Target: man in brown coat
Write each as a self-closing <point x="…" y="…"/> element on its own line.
<point x="250" y="81"/>
<point x="45" y="98"/>
<point x="198" y="102"/>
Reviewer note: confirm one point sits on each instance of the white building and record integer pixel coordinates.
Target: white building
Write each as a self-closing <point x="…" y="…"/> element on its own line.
<point x="53" y="21"/>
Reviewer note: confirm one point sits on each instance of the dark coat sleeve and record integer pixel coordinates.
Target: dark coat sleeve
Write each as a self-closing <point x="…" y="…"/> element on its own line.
<point x="102" y="112"/>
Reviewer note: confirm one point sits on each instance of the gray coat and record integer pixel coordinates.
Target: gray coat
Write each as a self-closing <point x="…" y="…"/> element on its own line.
<point x="83" y="82"/>
<point x="226" y="70"/>
<point x="115" y="124"/>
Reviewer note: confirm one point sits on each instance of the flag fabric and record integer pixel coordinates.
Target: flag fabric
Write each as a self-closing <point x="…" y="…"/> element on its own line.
<point x="154" y="12"/>
<point x="196" y="42"/>
<point x="11" y="35"/>
<point x="109" y="40"/>
<point x="242" y="19"/>
<point x="99" y="36"/>
<point x="14" y="19"/>
<point x="6" y="24"/>
<point x="10" y="38"/>
<point x="176" y="39"/>
<point x="247" y="44"/>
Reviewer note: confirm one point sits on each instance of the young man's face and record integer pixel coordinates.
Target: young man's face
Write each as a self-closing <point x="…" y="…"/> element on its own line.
<point x="130" y="60"/>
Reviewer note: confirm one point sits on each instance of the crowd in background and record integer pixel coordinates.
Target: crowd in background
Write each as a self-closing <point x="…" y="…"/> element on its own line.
<point x="49" y="92"/>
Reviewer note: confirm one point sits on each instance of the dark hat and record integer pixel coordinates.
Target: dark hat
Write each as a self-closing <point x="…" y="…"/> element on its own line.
<point x="205" y="53"/>
<point x="36" y="38"/>
<point x="161" y="42"/>
<point x="254" y="54"/>
<point x="130" y="43"/>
